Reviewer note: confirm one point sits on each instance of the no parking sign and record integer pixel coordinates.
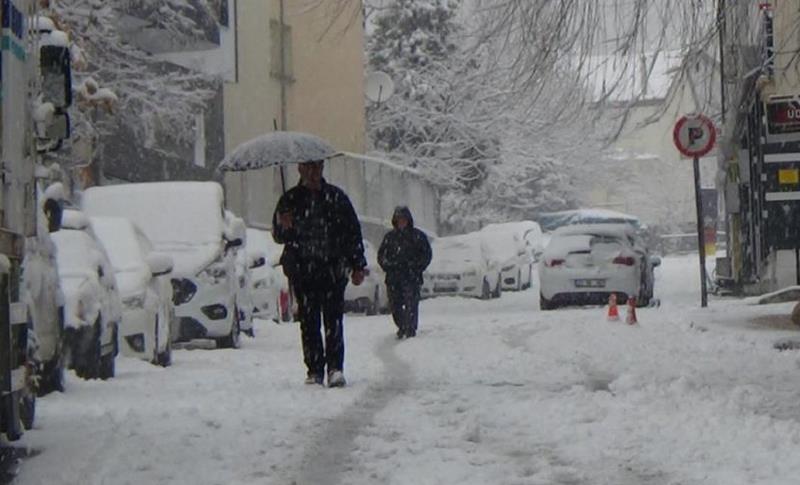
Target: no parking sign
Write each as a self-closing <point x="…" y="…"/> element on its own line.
<point x="694" y="135"/>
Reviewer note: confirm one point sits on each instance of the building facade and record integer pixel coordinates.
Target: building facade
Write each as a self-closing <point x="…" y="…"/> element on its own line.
<point x="760" y="146"/>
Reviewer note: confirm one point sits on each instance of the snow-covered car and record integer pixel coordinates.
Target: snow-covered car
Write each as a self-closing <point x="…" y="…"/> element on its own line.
<point x="460" y="267"/>
<point x="585" y="264"/>
<point x="92" y="306"/>
<point x="529" y="233"/>
<point x="244" y="263"/>
<point x="267" y="280"/>
<point x="42" y="294"/>
<point x="510" y="254"/>
<point x="143" y="280"/>
<point x="185" y="220"/>
<point x="369" y="297"/>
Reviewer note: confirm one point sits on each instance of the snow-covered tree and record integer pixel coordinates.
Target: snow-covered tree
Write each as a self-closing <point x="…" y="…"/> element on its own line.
<point x="120" y="87"/>
<point x="431" y="122"/>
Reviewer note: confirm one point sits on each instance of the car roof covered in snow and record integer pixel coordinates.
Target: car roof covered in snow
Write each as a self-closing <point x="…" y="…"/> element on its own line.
<point x="551" y="221"/>
<point x="189" y="213"/>
<point x="611" y="230"/>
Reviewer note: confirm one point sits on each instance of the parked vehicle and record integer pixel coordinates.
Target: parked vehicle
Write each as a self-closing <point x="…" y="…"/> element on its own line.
<point x="244" y="264"/>
<point x="369" y="297"/>
<point x="585" y="264"/>
<point x="267" y="280"/>
<point x="35" y="79"/>
<point x="460" y="266"/>
<point x="144" y="286"/>
<point x="191" y="227"/>
<point x="92" y="306"/>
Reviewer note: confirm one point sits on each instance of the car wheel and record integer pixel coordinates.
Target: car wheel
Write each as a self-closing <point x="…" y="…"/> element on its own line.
<point x="232" y="340"/>
<point x="89" y="367"/>
<point x="545" y="304"/>
<point x="27" y="410"/>
<point x="486" y="292"/>
<point x="107" y="362"/>
<point x="52" y="377"/>
<point x="165" y="357"/>
<point x="498" y="290"/>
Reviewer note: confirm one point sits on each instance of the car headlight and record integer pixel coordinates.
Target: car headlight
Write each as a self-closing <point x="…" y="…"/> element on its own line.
<point x="471" y="272"/>
<point x="136" y="301"/>
<point x="508" y="268"/>
<point x="215" y="273"/>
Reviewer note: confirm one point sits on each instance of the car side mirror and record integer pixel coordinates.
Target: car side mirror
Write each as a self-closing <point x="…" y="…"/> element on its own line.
<point x="159" y="264"/>
<point x="53" y="210"/>
<point x="258" y="262"/>
<point x="655" y="261"/>
<point x="234" y="243"/>
<point x="56" y="75"/>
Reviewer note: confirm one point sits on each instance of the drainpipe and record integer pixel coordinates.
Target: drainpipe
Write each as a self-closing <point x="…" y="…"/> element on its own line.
<point x="283" y="77"/>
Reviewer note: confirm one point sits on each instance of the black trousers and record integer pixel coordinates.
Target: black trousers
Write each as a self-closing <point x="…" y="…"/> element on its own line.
<point x="404" y="301"/>
<point x="327" y="300"/>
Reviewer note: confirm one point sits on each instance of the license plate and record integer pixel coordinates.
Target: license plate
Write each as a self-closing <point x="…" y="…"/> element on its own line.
<point x="590" y="283"/>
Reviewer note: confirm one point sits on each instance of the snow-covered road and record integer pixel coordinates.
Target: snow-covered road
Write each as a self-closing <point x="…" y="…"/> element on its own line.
<point x="489" y="392"/>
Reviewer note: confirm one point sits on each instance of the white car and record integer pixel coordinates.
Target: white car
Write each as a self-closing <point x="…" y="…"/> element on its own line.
<point x="92" y="309"/>
<point x="585" y="264"/>
<point x="370" y="296"/>
<point x="244" y="263"/>
<point x="460" y="267"/>
<point x="510" y="254"/>
<point x="42" y="292"/>
<point x="144" y="287"/>
<point x="185" y="220"/>
<point x="267" y="280"/>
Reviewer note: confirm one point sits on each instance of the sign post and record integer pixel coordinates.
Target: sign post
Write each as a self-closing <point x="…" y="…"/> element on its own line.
<point x="694" y="136"/>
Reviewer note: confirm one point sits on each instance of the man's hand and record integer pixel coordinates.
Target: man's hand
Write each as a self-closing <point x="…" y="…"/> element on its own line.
<point x="286" y="220"/>
<point x="357" y="277"/>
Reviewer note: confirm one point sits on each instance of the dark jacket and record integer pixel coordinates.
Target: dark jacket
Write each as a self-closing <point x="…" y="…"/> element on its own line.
<point x="404" y="253"/>
<point x="325" y="239"/>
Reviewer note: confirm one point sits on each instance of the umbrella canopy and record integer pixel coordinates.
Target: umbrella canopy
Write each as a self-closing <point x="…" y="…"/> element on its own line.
<point x="275" y="149"/>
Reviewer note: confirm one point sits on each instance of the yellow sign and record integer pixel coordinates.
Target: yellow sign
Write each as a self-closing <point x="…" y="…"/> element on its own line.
<point x="789" y="176"/>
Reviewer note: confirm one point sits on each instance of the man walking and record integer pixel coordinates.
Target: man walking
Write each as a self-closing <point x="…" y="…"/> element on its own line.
<point x="322" y="242"/>
<point x="404" y="254"/>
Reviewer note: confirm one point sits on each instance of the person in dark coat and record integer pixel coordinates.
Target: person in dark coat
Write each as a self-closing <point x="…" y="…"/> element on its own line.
<point x="404" y="254"/>
<point x="319" y="229"/>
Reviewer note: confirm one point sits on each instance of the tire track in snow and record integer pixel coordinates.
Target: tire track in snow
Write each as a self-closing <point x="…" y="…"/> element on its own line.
<point x="327" y="457"/>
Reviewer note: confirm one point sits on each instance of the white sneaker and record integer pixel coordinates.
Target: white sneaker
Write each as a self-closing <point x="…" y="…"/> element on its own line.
<point x="336" y="379"/>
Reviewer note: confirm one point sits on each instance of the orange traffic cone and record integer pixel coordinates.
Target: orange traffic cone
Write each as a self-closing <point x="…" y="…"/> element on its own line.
<point x="631" y="318"/>
<point x="613" y="311"/>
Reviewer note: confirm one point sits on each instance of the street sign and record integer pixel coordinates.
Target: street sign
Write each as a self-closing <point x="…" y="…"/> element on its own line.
<point x="694" y="135"/>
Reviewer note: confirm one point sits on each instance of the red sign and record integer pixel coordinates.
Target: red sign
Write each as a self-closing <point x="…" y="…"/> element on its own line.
<point x="694" y="135"/>
<point x="783" y="117"/>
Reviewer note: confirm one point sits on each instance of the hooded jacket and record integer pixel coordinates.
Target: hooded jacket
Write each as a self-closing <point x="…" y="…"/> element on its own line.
<point x="404" y="253"/>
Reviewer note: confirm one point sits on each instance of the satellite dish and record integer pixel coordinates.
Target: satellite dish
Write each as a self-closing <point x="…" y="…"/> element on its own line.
<point x="379" y="87"/>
